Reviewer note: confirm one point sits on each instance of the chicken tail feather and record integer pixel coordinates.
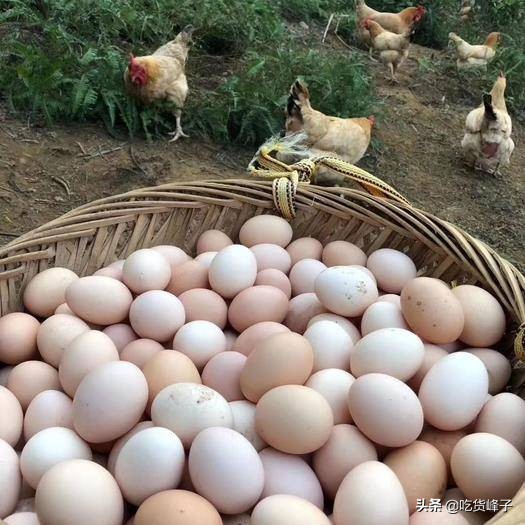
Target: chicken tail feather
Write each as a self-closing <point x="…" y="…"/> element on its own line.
<point x="489" y="109"/>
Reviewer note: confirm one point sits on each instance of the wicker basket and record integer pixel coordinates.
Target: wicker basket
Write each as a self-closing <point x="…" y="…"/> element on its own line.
<point x="105" y="230"/>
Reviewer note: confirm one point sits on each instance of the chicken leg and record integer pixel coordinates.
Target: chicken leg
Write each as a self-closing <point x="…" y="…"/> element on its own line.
<point x="178" y="133"/>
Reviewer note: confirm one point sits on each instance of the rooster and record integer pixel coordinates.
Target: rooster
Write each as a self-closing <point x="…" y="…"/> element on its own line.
<point x="471" y="56"/>
<point x="392" y="47"/>
<point x="487" y="144"/>
<point x="346" y="138"/>
<point x="400" y="23"/>
<point x="161" y="76"/>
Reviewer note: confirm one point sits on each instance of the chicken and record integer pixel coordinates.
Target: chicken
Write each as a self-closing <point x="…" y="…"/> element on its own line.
<point x="400" y="23"/>
<point x="161" y="76"/>
<point x="487" y="144"/>
<point x="470" y="56"/>
<point x="346" y="138"/>
<point x="392" y="47"/>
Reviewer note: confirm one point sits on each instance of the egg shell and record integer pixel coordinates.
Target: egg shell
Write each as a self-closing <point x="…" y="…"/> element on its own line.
<point x="390" y="298"/>
<point x="454" y="391"/>
<point x="484" y="317"/>
<point x="497" y="365"/>
<point x="486" y="466"/>
<point x="173" y="254"/>
<point x="18" y="337"/>
<point x="305" y="248"/>
<point x="391" y="268"/>
<point x="28" y="379"/>
<point x="22" y="518"/>
<point x="49" y="447"/>
<point x="119" y="444"/>
<point x="188" y="408"/>
<point x="55" y="334"/>
<point x="167" y="368"/>
<point x="109" y="271"/>
<point x="343" y="253"/>
<point x="392" y="351"/>
<point x="176" y="507"/>
<point x="244" y="422"/>
<point x="334" y="384"/>
<point x="47" y="290"/>
<point x="140" y="351"/>
<point x="11" y="417"/>
<point x="150" y="461"/>
<point x="385" y="410"/>
<point x="256" y="305"/>
<point x="431" y="310"/>
<point x="64" y="309"/>
<point x="301" y="309"/>
<point x="290" y="474"/>
<point x="432" y="355"/>
<point x="201" y="304"/>
<point x="121" y="334"/>
<point x="80" y="492"/>
<point x="200" y="341"/>
<point x="471" y="518"/>
<point x="343" y="322"/>
<point x="344" y="290"/>
<point x="356" y="503"/>
<point x="238" y="519"/>
<point x="10" y="479"/>
<point x="83" y="354"/>
<point x="421" y="470"/>
<point x="504" y="416"/>
<point x="186" y="276"/>
<point x="109" y="401"/>
<point x="265" y="229"/>
<point x="303" y="275"/>
<point x="226" y="469"/>
<point x="276" y="278"/>
<point x="222" y="373"/>
<point x="256" y="333"/>
<point x="212" y="241"/>
<point x="282" y="359"/>
<point x="294" y="419"/>
<point x="146" y="270"/>
<point x="156" y="315"/>
<point x="285" y="509"/>
<point x="380" y="315"/>
<point x="346" y="448"/>
<point x="232" y="270"/>
<point x="206" y="258"/>
<point x="100" y="300"/>
<point x="271" y="256"/>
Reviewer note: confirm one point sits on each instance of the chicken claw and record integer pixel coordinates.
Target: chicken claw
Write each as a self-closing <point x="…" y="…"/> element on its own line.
<point x="177" y="134"/>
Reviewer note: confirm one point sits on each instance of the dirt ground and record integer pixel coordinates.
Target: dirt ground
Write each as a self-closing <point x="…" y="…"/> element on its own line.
<point x="45" y="172"/>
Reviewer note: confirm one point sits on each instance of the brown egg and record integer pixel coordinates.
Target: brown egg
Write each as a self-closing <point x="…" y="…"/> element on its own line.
<point x="346" y="448"/>
<point x="223" y="373"/>
<point x="64" y="309"/>
<point x="188" y="275"/>
<point x="421" y="470"/>
<point x="444" y="442"/>
<point x="497" y="365"/>
<point x="121" y="334"/>
<point x="100" y="300"/>
<point x="256" y="333"/>
<point x="212" y="241"/>
<point x="294" y="419"/>
<point x="114" y="272"/>
<point x="431" y="310"/>
<point x="257" y="304"/>
<point x="83" y="354"/>
<point x="484" y="317"/>
<point x="282" y="359"/>
<point x="201" y="304"/>
<point x="300" y="310"/>
<point x="303" y="275"/>
<point x="266" y="229"/>
<point x="177" y="507"/>
<point x="392" y="269"/>
<point x="10" y="479"/>
<point x="276" y="278"/>
<point x="305" y="248"/>
<point x="173" y="254"/>
<point x="167" y="368"/>
<point x="286" y="509"/>
<point x="271" y="256"/>
<point x="47" y="290"/>
<point x="80" y="492"/>
<point x="206" y="258"/>
<point x="140" y="351"/>
<point x="343" y="253"/>
<point x="28" y="379"/>
<point x="18" y="337"/>
<point x="432" y="355"/>
<point x="146" y="270"/>
<point x="11" y="417"/>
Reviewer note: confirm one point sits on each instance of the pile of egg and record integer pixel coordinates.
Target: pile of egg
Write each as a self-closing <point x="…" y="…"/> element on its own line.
<point x="268" y="382"/>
